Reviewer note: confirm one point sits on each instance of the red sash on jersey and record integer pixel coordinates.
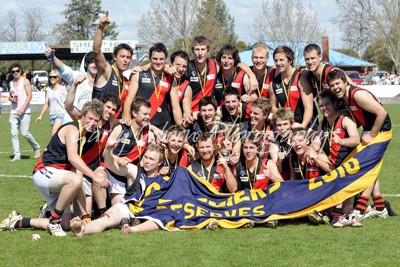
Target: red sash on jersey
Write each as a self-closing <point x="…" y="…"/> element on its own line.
<point x="184" y="162"/>
<point x="208" y="87"/>
<point x="312" y="171"/>
<point x="123" y="96"/>
<point x="135" y="154"/>
<point x="237" y="82"/>
<point x="355" y="109"/>
<point x="218" y="177"/>
<point x="263" y="183"/>
<point x="164" y="91"/>
<point x="264" y="91"/>
<point x="294" y="96"/>
<point x="59" y="166"/>
<point x="335" y="147"/>
<point x="182" y="89"/>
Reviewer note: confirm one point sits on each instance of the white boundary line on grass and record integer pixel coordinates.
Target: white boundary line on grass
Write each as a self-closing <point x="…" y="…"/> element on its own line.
<point x="16" y="176"/>
<point x="13" y="152"/>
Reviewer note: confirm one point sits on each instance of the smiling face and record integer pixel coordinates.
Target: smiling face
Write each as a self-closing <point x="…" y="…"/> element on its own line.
<point x="206" y="149"/>
<point x="142" y="116"/>
<point x="313" y="60"/>
<point x="257" y="118"/>
<point x="338" y="87"/>
<point x="299" y="144"/>
<point x="326" y="107"/>
<point x="232" y="104"/>
<point x="175" y="143"/>
<point x="109" y="109"/>
<point x="249" y="150"/>
<point x="122" y="59"/>
<point x="157" y="61"/>
<point x="181" y="66"/>
<point x="282" y="63"/>
<point x="90" y="121"/>
<point x="207" y="113"/>
<point x="260" y="58"/>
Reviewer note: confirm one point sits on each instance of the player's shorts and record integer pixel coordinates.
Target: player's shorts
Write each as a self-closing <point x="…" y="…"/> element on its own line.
<point x="49" y="182"/>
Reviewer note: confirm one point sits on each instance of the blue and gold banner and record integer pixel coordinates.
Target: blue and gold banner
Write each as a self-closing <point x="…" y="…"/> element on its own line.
<point x="184" y="201"/>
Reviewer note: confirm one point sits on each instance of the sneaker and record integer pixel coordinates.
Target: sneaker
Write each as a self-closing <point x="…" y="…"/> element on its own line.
<point x="9" y="222"/>
<point x="55" y="229"/>
<point x="317" y="218"/>
<point x="382" y="214"/>
<point x="213" y="225"/>
<point x="248" y="225"/>
<point x="15" y="159"/>
<point x="36" y="153"/>
<point x="44" y="211"/>
<point x="272" y="224"/>
<point x="389" y="209"/>
<point x="341" y="222"/>
<point x="356" y="218"/>
<point x="334" y="220"/>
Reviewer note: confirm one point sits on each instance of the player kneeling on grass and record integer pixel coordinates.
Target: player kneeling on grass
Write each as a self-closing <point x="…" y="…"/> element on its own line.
<point x="71" y="147"/>
<point x="120" y="213"/>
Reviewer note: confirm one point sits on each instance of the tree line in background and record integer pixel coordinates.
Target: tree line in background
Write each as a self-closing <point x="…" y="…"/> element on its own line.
<point x="371" y="27"/>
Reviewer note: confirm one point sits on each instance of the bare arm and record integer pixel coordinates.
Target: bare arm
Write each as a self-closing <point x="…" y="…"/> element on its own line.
<point x="354" y="139"/>
<point x="133" y="88"/>
<point x="367" y="102"/>
<point x="273" y="172"/>
<point x="252" y="76"/>
<point x="73" y="112"/>
<point x="307" y="99"/>
<point x="187" y="102"/>
<point x="273" y="98"/>
<point x="28" y="91"/>
<point x="44" y="108"/>
<point x="103" y="68"/>
<point x="230" y="179"/>
<point x="176" y="107"/>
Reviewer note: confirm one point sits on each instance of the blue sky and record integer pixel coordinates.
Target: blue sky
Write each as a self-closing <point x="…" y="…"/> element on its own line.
<point x="127" y="14"/>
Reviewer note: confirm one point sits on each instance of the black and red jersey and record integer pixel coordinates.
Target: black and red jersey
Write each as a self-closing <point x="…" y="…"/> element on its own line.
<point x="363" y="117"/>
<point x="202" y="83"/>
<point x="55" y="154"/>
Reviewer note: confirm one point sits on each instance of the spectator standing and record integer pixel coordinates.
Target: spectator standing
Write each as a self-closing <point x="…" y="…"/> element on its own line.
<point x="20" y="114"/>
<point x="55" y="98"/>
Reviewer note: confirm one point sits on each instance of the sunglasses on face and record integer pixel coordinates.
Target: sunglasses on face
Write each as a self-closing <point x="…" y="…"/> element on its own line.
<point x="15" y="71"/>
<point x="53" y="77"/>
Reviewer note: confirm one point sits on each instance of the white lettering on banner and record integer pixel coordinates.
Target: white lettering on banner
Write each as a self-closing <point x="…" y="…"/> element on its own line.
<point x="107" y="46"/>
<point x="37" y="98"/>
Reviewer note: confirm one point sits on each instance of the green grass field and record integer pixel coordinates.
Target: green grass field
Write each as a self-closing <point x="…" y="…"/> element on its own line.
<point x="291" y="244"/>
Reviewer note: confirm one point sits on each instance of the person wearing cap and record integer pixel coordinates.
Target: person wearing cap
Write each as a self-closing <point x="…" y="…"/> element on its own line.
<point x="54" y="101"/>
<point x="76" y="97"/>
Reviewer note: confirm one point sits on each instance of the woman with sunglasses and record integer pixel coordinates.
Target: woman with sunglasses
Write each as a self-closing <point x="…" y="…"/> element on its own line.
<point x="55" y="98"/>
<point x="20" y="115"/>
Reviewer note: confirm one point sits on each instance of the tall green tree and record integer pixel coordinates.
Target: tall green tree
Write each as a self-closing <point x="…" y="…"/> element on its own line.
<point x="81" y="22"/>
<point x="216" y="24"/>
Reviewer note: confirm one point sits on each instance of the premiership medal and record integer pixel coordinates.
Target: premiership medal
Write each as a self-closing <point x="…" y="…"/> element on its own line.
<point x="159" y="109"/>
